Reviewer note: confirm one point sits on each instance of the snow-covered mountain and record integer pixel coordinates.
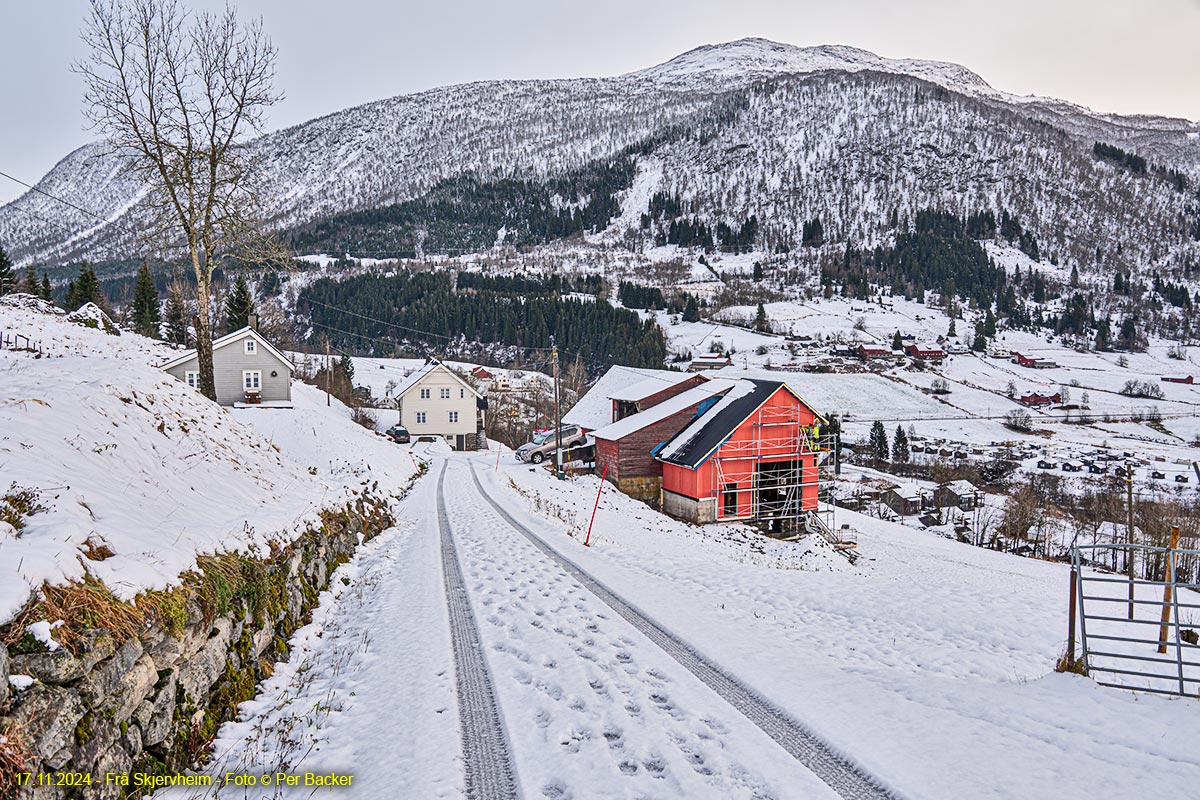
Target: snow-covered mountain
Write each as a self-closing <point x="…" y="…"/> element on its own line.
<point x="750" y="127"/>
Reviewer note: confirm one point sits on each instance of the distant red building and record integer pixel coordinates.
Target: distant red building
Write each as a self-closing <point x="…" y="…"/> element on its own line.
<point x="867" y="352"/>
<point x="925" y="352"/>
<point x="1034" y="399"/>
<point x="1178" y="379"/>
<point x="482" y="374"/>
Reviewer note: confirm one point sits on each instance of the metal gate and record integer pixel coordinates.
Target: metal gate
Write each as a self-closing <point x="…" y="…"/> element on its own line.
<point x="1139" y="623"/>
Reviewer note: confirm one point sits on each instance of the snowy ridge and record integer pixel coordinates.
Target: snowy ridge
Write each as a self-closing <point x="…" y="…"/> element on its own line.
<point x="864" y="136"/>
<point x="756" y="57"/>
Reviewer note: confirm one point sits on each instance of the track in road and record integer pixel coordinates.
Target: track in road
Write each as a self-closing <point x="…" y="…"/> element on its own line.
<point x="488" y="766"/>
<point x="838" y="772"/>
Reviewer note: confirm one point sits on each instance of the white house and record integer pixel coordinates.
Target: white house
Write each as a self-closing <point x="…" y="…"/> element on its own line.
<point x="434" y="401"/>
<point x="247" y="370"/>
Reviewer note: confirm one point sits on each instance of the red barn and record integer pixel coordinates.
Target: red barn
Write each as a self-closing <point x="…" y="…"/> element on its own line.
<point x="1181" y="379"/>
<point x="753" y="456"/>
<point x="925" y="351"/>
<point x="625" y="449"/>
<point x="1037" y="399"/>
<point x="867" y="352"/>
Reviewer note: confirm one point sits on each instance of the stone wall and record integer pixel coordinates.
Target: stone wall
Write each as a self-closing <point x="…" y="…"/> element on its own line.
<point x="151" y="702"/>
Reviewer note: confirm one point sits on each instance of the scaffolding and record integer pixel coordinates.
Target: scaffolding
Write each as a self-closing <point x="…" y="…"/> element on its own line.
<point x="781" y="477"/>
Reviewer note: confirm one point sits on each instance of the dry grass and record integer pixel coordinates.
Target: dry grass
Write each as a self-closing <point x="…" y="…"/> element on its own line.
<point x="80" y="605"/>
<point x="1068" y="663"/>
<point x="14" y="759"/>
<point x="96" y="549"/>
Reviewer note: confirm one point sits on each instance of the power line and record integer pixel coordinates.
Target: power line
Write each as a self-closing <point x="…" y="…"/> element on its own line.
<point x="117" y="223"/>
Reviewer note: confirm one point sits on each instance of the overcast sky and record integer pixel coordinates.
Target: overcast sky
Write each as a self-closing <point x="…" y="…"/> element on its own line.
<point x="1126" y="56"/>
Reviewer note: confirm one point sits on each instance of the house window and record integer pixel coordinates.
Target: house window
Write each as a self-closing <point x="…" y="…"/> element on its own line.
<point x="252" y="380"/>
<point x="251" y="347"/>
<point x="445" y="393"/>
<point x="729" y="500"/>
<point x="424" y="394"/>
<point x="453" y="415"/>
<point x="192" y="379"/>
<point x="420" y="417"/>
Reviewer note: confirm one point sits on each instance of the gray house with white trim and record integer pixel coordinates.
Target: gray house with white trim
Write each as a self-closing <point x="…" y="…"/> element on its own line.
<point x="247" y="370"/>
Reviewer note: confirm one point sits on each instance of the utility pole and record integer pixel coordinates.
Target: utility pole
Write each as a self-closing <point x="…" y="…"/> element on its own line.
<point x="1129" y="530"/>
<point x="557" y="415"/>
<point x="327" y="371"/>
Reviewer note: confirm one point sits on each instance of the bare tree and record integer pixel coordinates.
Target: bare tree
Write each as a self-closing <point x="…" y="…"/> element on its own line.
<point x="178" y="93"/>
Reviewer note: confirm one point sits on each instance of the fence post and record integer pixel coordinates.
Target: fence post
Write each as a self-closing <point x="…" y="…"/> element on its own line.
<point x="1071" y="615"/>
<point x="1168" y="593"/>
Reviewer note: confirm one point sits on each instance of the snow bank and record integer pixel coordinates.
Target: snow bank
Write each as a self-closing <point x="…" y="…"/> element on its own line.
<point x="122" y="455"/>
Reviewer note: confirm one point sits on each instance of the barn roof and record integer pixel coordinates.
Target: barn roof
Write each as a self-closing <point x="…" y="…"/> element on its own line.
<point x="657" y="413"/>
<point x="695" y="443"/>
<point x="594" y="409"/>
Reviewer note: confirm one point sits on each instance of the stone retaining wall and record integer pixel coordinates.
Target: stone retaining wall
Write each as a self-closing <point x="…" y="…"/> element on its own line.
<point x="152" y="702"/>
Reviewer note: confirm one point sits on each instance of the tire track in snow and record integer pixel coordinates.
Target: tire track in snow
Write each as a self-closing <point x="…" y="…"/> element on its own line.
<point x="489" y="771"/>
<point x="838" y="772"/>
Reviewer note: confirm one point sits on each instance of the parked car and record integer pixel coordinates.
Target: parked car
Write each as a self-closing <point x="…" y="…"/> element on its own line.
<point x="398" y="434"/>
<point x="542" y="446"/>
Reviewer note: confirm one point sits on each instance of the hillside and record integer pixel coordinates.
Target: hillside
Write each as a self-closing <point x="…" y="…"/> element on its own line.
<point x="728" y="132"/>
<point x="134" y="475"/>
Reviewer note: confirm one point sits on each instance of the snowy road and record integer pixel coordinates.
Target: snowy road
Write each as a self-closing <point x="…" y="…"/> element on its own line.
<point x="594" y="706"/>
<point x="844" y="777"/>
<point x="489" y="773"/>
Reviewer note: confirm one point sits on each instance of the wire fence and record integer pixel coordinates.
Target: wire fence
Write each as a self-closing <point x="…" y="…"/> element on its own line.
<point x="1139" y="624"/>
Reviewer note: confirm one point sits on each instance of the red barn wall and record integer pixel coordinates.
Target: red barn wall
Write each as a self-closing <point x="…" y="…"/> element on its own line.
<point x="740" y="468"/>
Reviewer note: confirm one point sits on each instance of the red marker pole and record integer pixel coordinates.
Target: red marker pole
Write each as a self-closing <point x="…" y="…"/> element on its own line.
<point x="588" y="539"/>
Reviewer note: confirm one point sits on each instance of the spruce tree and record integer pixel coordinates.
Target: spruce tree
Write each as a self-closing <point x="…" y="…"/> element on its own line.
<point x="691" y="311"/>
<point x="32" y="285"/>
<point x="950" y="331"/>
<point x="346" y="365"/>
<point x="8" y="281"/>
<point x="84" y="289"/>
<point x="758" y="271"/>
<point x="175" y="316"/>
<point x="761" y="323"/>
<point x="239" y="305"/>
<point x="900" y="452"/>
<point x="47" y="293"/>
<point x="989" y="324"/>
<point x="144" y="311"/>
<point x="897" y="342"/>
<point x="878" y="442"/>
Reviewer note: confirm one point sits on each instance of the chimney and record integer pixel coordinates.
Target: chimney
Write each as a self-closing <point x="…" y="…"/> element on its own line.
<point x="254" y="321"/>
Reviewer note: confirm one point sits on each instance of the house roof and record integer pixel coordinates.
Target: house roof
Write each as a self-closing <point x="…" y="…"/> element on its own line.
<point x="660" y="411"/>
<point x="227" y="339"/>
<point x="960" y="487"/>
<point x="414" y="377"/>
<point x="594" y="409"/>
<point x="694" y="444"/>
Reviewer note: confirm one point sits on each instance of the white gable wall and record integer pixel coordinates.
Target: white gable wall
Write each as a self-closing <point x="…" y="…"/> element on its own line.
<point x="231" y="362"/>
<point x="432" y="415"/>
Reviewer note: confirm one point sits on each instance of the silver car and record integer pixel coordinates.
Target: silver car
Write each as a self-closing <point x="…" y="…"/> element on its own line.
<point x="542" y="446"/>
